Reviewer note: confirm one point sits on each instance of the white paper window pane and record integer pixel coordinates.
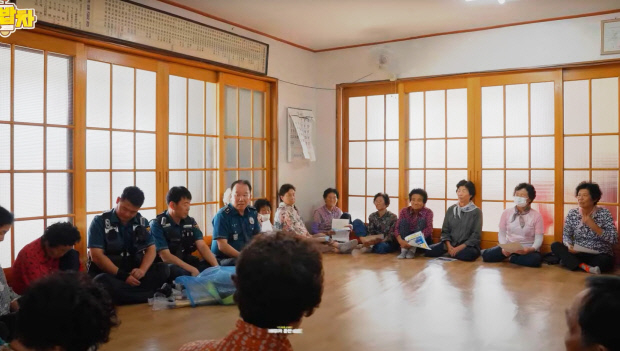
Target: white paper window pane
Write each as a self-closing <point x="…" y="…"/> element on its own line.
<point x="177" y="178"/>
<point x="28" y="85"/>
<point x="195" y="151"/>
<point x="544" y="182"/>
<point x="435" y="154"/>
<point x="245" y="153"/>
<point x="176" y="152"/>
<point x="577" y="152"/>
<point x="59" y="193"/>
<point x="370" y="207"/>
<point x="231" y="109"/>
<point x="28" y="147"/>
<point x="493" y="111"/>
<point x="5" y="145"/>
<point x="493" y="153"/>
<point x="605" y="151"/>
<point x="457" y="153"/>
<point x="357" y="182"/>
<point x="258" y="113"/>
<point x="258" y="153"/>
<point x="196" y="185"/>
<point x="122" y="150"/>
<point x="576" y="107"/>
<point x="245" y="112"/>
<point x="5" y="95"/>
<point x="5" y="248"/>
<point x="493" y="185"/>
<point x="231" y="153"/>
<point x="196" y="106"/>
<point x="391" y="154"/>
<point x="517" y="153"/>
<point x="357" y="154"/>
<point x="198" y="213"/>
<point x="177" y="104"/>
<point x="145" y="151"/>
<point x="608" y="181"/>
<point x="376" y="118"/>
<point x="5" y="190"/>
<point x="436" y="114"/>
<point x="492" y="213"/>
<point x="26" y="232"/>
<point x="436" y="184"/>
<point x="605" y="105"/>
<point x="543" y="152"/>
<point x="357" y="118"/>
<point x="514" y="178"/>
<point x="375" y="181"/>
<point x="148" y="214"/>
<point x="97" y="94"/>
<point x="120" y="180"/>
<point x="146" y="100"/>
<point x="212" y="185"/>
<point x="454" y="176"/>
<point x="97" y="149"/>
<point x="439" y="211"/>
<point x="211" y="109"/>
<point x="28" y="195"/>
<point x="416" y="179"/>
<point x="258" y="184"/>
<point x="457" y="113"/>
<point x="230" y="177"/>
<point x="391" y="182"/>
<point x="391" y="116"/>
<point x="517" y="110"/>
<point x="357" y="207"/>
<point x="97" y="191"/>
<point x="59" y="148"/>
<point x="211" y="212"/>
<point x="375" y="154"/>
<point x="571" y="180"/>
<point x="122" y="97"/>
<point x="59" y="89"/>
<point x="211" y="154"/>
<point x="547" y="212"/>
<point x="416" y="115"/>
<point x="542" y="108"/>
<point x="246" y="175"/>
<point x="416" y="154"/>
<point x="146" y="182"/>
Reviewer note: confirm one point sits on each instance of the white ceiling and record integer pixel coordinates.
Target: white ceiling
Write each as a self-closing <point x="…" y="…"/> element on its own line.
<point x="323" y="24"/>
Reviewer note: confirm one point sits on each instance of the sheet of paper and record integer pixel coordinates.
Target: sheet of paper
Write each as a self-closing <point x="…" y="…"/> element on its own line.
<point x="417" y="240"/>
<point x="511" y="247"/>
<point x="580" y="248"/>
<point x="341" y="235"/>
<point x="266" y="227"/>
<point x="340" y="224"/>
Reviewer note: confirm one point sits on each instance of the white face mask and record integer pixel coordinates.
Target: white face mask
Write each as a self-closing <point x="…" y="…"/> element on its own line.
<point x="520" y="201"/>
<point x="266" y="217"/>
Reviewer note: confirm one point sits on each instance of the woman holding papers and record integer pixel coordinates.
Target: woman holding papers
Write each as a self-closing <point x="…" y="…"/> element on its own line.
<point x="460" y="233"/>
<point x="414" y="218"/>
<point x="589" y="233"/>
<point x="521" y="231"/>
<point x="380" y="231"/>
<point x="322" y="218"/>
<point x="288" y="219"/>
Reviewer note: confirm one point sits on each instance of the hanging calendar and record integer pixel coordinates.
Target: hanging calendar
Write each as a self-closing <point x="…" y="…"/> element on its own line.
<point x="143" y="27"/>
<point x="299" y="134"/>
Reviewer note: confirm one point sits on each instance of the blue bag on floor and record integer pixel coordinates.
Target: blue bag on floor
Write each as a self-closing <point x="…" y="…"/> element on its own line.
<point x="212" y="286"/>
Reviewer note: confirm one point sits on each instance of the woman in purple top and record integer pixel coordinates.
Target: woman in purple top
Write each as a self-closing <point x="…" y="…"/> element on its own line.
<point x="322" y="219"/>
<point x="414" y="218"/>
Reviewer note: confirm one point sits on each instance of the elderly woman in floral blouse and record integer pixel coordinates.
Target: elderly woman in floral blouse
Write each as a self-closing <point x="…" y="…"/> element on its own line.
<point x="288" y="219"/>
<point x="414" y="218"/>
<point x="381" y="223"/>
<point x="591" y="227"/>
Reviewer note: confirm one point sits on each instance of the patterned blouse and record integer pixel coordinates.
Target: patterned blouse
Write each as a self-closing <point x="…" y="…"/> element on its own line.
<point x="423" y="221"/>
<point x="245" y="337"/>
<point x="6" y="295"/>
<point x="288" y="219"/>
<point x="322" y="219"/>
<point x="575" y="232"/>
<point x="382" y="225"/>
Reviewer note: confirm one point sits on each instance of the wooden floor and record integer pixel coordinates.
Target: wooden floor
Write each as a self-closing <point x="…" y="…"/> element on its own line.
<point x="377" y="302"/>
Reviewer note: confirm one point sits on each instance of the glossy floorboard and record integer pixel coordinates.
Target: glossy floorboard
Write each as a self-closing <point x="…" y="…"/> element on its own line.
<point x="376" y="302"/>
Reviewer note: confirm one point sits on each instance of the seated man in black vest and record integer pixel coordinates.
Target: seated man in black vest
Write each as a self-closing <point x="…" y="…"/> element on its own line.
<point x="177" y="236"/>
<point x="122" y="251"/>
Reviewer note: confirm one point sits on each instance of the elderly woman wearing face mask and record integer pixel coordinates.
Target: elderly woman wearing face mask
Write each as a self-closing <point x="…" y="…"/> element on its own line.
<point x="519" y="224"/>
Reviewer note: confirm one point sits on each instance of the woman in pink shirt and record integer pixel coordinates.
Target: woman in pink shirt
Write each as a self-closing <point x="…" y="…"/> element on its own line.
<point x="519" y="224"/>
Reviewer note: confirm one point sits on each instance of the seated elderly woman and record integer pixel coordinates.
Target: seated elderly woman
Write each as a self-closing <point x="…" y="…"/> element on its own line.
<point x="588" y="228"/>
<point x="414" y="218"/>
<point x="288" y="219"/>
<point x="462" y="225"/>
<point x="519" y="224"/>
<point x="322" y="218"/>
<point x="380" y="224"/>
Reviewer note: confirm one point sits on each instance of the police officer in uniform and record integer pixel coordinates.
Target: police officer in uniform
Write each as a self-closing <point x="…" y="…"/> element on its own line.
<point x="177" y="236"/>
<point x="122" y="251"/>
<point x="235" y="224"/>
